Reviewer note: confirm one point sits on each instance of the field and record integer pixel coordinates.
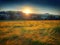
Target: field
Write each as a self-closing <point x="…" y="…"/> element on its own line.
<point x="43" y="32"/>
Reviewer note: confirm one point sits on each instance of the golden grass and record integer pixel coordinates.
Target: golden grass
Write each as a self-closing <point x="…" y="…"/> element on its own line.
<point x="36" y="30"/>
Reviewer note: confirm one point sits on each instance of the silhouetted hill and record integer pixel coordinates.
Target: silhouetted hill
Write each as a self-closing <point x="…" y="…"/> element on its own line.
<point x="18" y="15"/>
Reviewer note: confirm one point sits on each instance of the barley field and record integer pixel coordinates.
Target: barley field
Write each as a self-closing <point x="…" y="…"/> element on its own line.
<point x="23" y="32"/>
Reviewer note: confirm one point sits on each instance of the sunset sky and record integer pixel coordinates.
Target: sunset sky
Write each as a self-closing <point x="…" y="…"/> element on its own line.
<point x="36" y="6"/>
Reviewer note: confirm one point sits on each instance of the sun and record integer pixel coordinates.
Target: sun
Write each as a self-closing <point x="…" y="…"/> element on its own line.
<point x="27" y="11"/>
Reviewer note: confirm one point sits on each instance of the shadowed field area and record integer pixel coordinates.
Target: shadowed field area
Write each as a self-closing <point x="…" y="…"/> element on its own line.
<point x="43" y="32"/>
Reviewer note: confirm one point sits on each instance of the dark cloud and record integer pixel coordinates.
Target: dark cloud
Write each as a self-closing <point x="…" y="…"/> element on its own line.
<point x="48" y="2"/>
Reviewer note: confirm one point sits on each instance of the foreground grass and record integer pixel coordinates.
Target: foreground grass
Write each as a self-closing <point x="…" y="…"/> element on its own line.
<point x="43" y="32"/>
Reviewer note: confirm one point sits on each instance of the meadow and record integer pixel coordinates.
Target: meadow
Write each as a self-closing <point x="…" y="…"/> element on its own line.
<point x="30" y="32"/>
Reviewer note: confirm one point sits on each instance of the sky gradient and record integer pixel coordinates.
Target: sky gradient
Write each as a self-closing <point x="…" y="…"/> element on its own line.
<point x="38" y="6"/>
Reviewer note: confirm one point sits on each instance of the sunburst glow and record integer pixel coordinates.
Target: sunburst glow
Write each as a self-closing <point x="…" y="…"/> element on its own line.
<point x="27" y="10"/>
